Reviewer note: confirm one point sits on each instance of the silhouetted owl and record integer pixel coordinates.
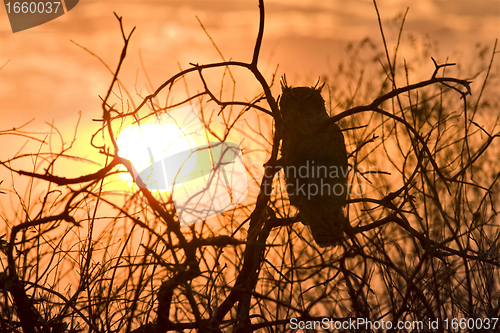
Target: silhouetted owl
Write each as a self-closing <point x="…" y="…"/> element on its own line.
<point x="315" y="163"/>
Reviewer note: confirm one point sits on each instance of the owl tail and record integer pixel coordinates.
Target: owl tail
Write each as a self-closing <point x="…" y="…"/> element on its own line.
<point x="326" y="229"/>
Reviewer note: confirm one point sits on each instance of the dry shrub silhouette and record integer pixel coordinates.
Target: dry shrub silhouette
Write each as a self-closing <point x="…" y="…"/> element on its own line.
<point x="84" y="254"/>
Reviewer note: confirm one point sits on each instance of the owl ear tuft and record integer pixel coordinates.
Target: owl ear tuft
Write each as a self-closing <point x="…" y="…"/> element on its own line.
<point x="320" y="87"/>
<point x="284" y="85"/>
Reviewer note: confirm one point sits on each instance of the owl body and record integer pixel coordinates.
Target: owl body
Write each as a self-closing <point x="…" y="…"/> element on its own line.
<point x="315" y="163"/>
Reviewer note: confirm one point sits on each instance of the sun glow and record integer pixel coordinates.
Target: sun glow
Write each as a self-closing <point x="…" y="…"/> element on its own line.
<point x="147" y="144"/>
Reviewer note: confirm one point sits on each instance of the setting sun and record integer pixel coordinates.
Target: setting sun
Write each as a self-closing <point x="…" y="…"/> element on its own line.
<point x="148" y="143"/>
<point x="144" y="144"/>
<point x="249" y="166"/>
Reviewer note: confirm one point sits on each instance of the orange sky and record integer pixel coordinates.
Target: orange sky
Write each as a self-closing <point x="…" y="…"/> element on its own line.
<point x="50" y="79"/>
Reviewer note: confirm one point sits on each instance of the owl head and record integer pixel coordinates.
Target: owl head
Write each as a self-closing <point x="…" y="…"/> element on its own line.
<point x="301" y="105"/>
